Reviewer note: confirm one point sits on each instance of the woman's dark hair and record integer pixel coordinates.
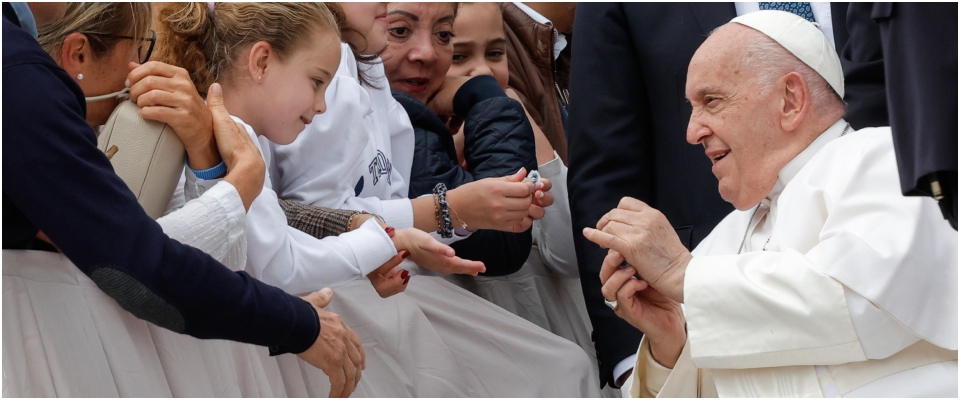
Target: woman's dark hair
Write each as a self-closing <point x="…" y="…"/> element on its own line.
<point x="345" y="31"/>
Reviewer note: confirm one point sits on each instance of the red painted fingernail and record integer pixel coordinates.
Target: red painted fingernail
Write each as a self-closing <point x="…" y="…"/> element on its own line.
<point x="404" y="274"/>
<point x="389" y="230"/>
<point x="404" y="254"/>
<point x="405" y="280"/>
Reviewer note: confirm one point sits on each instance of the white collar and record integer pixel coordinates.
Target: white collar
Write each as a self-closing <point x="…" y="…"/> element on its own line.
<point x="532" y="13"/>
<point x="561" y="42"/>
<point x="789" y="171"/>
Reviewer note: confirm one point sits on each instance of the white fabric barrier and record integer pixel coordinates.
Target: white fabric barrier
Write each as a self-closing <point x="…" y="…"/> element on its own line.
<point x="544" y="297"/>
<point x="64" y="337"/>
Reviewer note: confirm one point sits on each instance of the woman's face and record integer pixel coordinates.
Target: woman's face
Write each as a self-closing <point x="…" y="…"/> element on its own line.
<point x="104" y="76"/>
<point x="369" y="21"/>
<point x="480" y="47"/>
<point x="291" y="91"/>
<point x="420" y="47"/>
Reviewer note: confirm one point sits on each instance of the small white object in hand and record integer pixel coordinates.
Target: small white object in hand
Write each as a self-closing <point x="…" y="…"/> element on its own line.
<point x="533" y="177"/>
<point x="612" y="304"/>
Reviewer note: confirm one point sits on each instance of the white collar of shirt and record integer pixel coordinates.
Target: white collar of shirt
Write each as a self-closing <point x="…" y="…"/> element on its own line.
<point x="766" y="210"/>
<point x="821" y="11"/>
<point x="561" y="42"/>
<point x="789" y="171"/>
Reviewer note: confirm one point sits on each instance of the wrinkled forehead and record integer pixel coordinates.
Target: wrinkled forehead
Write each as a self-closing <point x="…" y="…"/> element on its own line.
<point x="426" y="14"/>
<point x="718" y="59"/>
<point x="725" y="43"/>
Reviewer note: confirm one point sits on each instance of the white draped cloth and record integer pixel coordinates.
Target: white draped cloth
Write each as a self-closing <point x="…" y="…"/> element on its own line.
<point x="843" y="287"/>
<point x="62" y="336"/>
<point x="358" y="156"/>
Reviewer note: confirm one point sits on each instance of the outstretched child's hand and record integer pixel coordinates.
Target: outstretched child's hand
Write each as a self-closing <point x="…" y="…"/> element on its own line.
<point x="431" y="254"/>
<point x="389" y="279"/>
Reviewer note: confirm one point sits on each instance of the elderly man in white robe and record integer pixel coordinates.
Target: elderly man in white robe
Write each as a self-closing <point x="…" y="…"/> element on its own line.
<point x="826" y="281"/>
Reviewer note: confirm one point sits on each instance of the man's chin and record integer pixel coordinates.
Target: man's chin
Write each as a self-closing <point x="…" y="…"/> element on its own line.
<point x="733" y="199"/>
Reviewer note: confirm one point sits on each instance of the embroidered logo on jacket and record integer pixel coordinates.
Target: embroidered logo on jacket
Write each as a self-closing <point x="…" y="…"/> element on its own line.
<point x="380" y="166"/>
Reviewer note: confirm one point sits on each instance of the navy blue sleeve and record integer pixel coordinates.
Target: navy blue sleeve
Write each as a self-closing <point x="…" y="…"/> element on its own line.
<point x="56" y="179"/>
<point x="498" y="138"/>
<point x="498" y="142"/>
<point x="475" y="90"/>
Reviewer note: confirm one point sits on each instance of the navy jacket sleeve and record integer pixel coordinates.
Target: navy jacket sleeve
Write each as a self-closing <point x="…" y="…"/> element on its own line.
<point x="862" y="61"/>
<point x="498" y="138"/>
<point x="55" y="180"/>
<point x="498" y="142"/>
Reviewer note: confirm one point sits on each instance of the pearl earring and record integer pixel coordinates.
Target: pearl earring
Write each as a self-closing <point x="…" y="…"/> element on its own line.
<point x="259" y="77"/>
<point x="79" y="77"/>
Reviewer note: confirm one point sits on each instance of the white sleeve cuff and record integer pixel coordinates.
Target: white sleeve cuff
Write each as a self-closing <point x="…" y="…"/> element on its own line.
<point x="370" y="245"/>
<point x="398" y="213"/>
<point x="551" y="168"/>
<point x="623" y="366"/>
<point x="654" y="374"/>
<point x="214" y="223"/>
<point x="195" y="187"/>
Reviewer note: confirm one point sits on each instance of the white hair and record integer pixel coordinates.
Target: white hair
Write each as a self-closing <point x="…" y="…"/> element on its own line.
<point x="772" y="61"/>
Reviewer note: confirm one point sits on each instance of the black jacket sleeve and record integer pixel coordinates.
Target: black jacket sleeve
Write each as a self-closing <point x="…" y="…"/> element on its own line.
<point x="862" y="61"/>
<point x="55" y="180"/>
<point x="498" y="142"/>
<point x="609" y="150"/>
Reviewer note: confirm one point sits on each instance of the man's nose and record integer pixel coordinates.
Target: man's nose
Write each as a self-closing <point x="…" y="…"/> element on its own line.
<point x="697" y="131"/>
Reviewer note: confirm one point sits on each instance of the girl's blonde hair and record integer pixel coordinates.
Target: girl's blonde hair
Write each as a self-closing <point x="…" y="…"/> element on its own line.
<point x="206" y="42"/>
<point x="102" y="23"/>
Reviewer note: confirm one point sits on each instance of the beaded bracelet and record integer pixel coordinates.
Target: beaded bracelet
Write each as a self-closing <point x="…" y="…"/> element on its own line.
<point x="444" y="224"/>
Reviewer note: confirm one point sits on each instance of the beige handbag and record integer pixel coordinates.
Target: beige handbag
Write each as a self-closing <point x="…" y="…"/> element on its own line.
<point x="147" y="155"/>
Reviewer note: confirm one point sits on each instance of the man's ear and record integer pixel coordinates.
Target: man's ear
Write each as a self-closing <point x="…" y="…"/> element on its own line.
<point x="259" y="60"/>
<point x="795" y="102"/>
<point x="75" y="54"/>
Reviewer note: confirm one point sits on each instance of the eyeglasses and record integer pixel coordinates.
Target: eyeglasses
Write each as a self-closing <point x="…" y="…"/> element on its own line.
<point x="144" y="55"/>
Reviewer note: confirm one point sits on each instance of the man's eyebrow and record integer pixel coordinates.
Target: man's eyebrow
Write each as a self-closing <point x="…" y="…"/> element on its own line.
<point x="412" y="16"/>
<point x="705" y="90"/>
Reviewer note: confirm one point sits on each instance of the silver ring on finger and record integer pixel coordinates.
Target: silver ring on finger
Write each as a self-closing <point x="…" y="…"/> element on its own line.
<point x="612" y="304"/>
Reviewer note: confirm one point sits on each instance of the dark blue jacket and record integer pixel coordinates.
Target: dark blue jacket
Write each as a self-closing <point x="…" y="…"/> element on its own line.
<point x="55" y="180"/>
<point x="498" y="142"/>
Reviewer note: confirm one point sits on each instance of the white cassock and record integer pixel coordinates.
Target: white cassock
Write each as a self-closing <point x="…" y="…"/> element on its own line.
<point x="843" y="288"/>
<point x="434" y="339"/>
